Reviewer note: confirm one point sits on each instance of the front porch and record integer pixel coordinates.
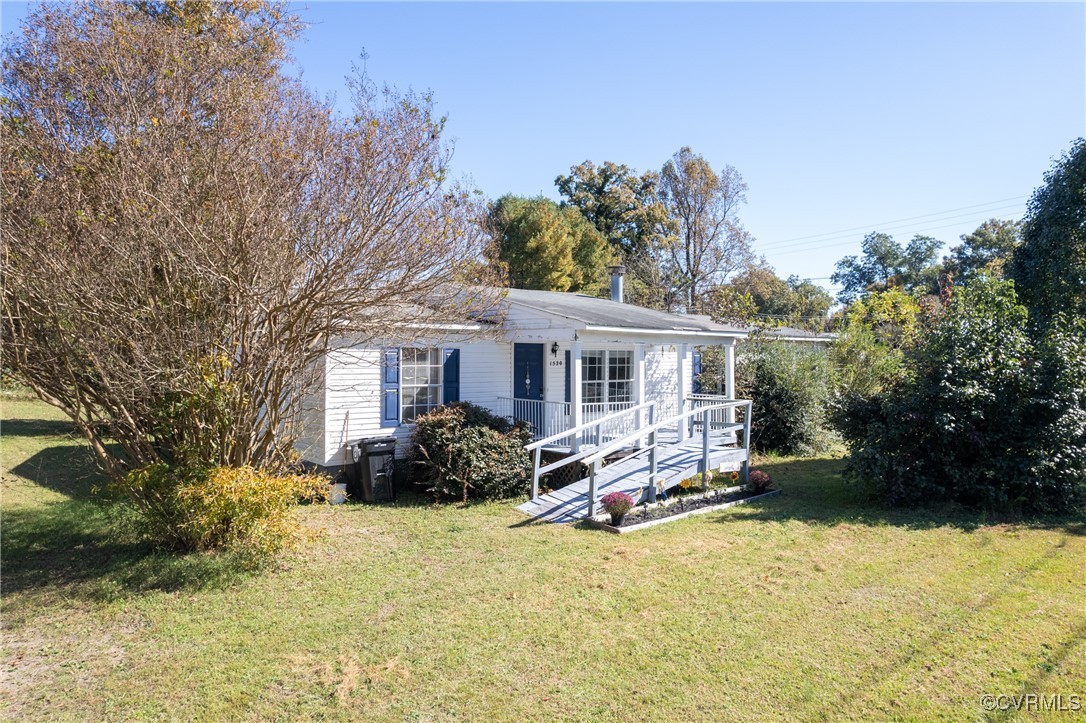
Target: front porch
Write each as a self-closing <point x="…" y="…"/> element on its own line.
<point x="596" y="376"/>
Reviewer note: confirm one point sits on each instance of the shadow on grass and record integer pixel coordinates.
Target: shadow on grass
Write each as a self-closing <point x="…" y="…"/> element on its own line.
<point x="68" y="468"/>
<point x="405" y="497"/>
<point x="36" y="427"/>
<point x="75" y="543"/>
<point x="69" y="544"/>
<point x="815" y="492"/>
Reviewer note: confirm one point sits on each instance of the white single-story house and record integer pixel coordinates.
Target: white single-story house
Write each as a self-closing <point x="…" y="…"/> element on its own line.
<point x="557" y="360"/>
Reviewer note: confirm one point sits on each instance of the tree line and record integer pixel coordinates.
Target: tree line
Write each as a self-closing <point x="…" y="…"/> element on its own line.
<point x="952" y="384"/>
<point x="679" y="235"/>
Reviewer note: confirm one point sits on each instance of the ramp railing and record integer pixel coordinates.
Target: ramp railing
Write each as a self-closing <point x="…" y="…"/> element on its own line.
<point x="703" y="413"/>
<point x="586" y="438"/>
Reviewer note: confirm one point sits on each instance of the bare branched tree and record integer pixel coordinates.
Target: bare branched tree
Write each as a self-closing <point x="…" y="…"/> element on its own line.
<point x="712" y="244"/>
<point x="186" y="230"/>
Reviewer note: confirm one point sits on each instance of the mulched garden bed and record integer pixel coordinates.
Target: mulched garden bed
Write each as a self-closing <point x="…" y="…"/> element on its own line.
<point x="678" y="507"/>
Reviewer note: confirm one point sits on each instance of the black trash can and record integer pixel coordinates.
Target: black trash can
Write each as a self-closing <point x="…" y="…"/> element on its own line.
<point x="352" y="473"/>
<point x="376" y="461"/>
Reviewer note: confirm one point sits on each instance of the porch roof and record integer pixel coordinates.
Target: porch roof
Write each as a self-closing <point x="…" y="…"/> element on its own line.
<point x="590" y="313"/>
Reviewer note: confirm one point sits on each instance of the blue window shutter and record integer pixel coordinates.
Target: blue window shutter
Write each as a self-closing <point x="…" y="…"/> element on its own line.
<point x="450" y="374"/>
<point x="695" y="371"/>
<point x="390" y="387"/>
<point x="569" y="373"/>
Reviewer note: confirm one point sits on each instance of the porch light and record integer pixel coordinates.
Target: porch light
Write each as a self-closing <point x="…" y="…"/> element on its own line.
<point x="554" y="349"/>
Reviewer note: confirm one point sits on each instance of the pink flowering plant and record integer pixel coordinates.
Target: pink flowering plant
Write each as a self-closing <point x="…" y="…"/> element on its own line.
<point x="617" y="504"/>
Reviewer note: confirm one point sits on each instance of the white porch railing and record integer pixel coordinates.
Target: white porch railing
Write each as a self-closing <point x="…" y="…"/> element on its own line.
<point x="551" y="418"/>
<point x="643" y="436"/>
<point x="546" y="418"/>
<point x="719" y="417"/>
<point x="591" y="411"/>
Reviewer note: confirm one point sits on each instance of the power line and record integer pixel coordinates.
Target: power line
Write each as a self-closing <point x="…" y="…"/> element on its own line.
<point x="900" y="220"/>
<point x="892" y="228"/>
<point x="852" y="241"/>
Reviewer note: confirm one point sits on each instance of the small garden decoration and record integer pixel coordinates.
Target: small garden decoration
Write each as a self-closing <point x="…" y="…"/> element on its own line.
<point x="617" y="504"/>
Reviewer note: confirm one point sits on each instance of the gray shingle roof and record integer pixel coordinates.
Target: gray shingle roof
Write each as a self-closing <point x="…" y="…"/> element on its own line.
<point x="792" y="332"/>
<point x="606" y="313"/>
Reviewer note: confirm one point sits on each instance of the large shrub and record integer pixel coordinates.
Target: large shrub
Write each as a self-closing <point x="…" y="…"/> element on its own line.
<point x="464" y="451"/>
<point x="790" y="386"/>
<point x="1049" y="266"/>
<point x="237" y="509"/>
<point x="1056" y="440"/>
<point x="987" y="417"/>
<point x="187" y="231"/>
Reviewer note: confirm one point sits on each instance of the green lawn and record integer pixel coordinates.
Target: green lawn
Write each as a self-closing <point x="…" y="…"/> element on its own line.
<point x="812" y="605"/>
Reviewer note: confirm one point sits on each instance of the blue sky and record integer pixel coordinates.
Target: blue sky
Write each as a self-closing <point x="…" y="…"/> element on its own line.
<point x="842" y="118"/>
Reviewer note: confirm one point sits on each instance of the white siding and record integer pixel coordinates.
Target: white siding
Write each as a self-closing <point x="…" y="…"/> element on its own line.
<point x="352" y="396"/>
<point x="352" y="401"/>
<point x="554" y="376"/>
<point x="486" y="372"/>
<point x="661" y="380"/>
<point x="661" y="377"/>
<point x="350" y="407"/>
<point x="310" y="430"/>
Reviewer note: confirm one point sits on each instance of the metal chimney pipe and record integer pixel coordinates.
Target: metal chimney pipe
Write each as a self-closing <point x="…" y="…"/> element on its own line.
<point x="617" y="273"/>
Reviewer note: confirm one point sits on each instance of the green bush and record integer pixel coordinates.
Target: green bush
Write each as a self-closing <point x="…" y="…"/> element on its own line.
<point x="987" y="417"/>
<point x="237" y="509"/>
<point x="464" y="451"/>
<point x="789" y="385"/>
<point x="862" y="364"/>
<point x="869" y="351"/>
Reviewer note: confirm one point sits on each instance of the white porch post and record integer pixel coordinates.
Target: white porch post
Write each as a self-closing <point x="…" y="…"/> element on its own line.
<point x="639" y="381"/>
<point x="680" y="377"/>
<point x="729" y="378"/>
<point x="576" y="413"/>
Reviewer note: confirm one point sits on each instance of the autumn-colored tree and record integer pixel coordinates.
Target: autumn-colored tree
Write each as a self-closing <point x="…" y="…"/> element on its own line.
<point x="726" y="304"/>
<point x="626" y="208"/>
<point x="792" y="302"/>
<point x="712" y="244"/>
<point x="187" y="229"/>
<point x="545" y="246"/>
<point x="623" y="205"/>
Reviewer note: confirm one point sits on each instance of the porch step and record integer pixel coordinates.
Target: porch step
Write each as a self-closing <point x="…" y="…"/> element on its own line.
<point x="675" y="462"/>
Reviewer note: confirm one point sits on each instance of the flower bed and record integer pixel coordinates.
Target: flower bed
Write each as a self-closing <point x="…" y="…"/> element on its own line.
<point x="643" y="515"/>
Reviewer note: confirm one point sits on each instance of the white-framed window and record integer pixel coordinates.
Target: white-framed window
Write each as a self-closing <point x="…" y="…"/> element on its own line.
<point x="606" y="376"/>
<point x="420" y="382"/>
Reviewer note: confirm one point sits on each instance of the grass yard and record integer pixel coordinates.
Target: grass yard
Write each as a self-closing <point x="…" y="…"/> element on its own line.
<point x="808" y="606"/>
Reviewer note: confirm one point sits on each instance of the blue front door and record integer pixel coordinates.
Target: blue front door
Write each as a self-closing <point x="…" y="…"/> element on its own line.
<point x="528" y="382"/>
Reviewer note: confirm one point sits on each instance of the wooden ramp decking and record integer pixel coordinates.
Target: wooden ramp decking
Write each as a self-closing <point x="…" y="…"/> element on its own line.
<point x="675" y="462"/>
